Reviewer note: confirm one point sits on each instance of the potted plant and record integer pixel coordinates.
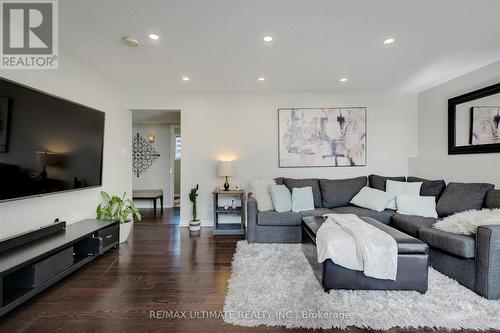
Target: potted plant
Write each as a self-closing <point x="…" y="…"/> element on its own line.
<point x="194" y="224"/>
<point x="121" y="209"/>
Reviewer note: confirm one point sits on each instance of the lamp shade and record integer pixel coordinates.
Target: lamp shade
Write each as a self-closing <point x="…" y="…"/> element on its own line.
<point x="225" y="169"/>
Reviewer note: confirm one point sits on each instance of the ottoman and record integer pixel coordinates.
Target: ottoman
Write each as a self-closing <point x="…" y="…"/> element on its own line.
<point x="412" y="262"/>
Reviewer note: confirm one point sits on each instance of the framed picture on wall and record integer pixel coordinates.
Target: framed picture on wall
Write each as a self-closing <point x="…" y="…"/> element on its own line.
<point x="485" y="127"/>
<point x="4" y="124"/>
<point x="322" y="137"/>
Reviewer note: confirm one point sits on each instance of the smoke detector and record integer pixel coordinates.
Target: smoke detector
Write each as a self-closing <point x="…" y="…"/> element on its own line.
<point x="131" y="41"/>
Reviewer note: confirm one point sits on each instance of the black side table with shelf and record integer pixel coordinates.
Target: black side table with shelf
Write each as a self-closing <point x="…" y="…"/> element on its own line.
<point x="230" y="228"/>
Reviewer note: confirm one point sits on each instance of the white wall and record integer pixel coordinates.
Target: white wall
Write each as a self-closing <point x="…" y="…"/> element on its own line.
<point x="433" y="160"/>
<point x="157" y="176"/>
<point x="74" y="82"/>
<point x="244" y="127"/>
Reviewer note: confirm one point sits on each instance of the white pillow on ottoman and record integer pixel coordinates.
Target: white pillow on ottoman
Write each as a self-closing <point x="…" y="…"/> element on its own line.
<point x="260" y="191"/>
<point x="416" y="205"/>
<point x="372" y="199"/>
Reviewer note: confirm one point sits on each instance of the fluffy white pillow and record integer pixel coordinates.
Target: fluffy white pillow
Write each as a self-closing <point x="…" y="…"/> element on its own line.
<point x="302" y="199"/>
<point x="373" y="199"/>
<point x="395" y="187"/>
<point x="416" y="205"/>
<point x="466" y="223"/>
<point x="260" y="191"/>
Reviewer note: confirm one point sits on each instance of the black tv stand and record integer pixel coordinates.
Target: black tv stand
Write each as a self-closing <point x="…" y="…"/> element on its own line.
<point x="30" y="268"/>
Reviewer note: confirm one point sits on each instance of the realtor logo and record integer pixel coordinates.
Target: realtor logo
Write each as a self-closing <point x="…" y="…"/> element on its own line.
<point x="29" y="34"/>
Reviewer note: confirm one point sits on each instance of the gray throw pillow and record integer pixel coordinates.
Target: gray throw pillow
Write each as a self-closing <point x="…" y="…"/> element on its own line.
<point x="430" y="188"/>
<point x="339" y="192"/>
<point x="313" y="182"/>
<point x="459" y="197"/>
<point x="492" y="199"/>
<point x="378" y="182"/>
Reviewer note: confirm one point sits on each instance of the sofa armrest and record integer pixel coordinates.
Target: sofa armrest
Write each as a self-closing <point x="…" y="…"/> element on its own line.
<point x="488" y="261"/>
<point x="251" y="219"/>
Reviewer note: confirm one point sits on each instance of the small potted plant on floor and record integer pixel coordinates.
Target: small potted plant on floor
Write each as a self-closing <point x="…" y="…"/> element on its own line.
<point x="121" y="209"/>
<point x="194" y="224"/>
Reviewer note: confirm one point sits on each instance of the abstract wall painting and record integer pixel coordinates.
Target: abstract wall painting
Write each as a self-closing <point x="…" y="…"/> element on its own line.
<point x="485" y="127"/>
<point x="322" y="137"/>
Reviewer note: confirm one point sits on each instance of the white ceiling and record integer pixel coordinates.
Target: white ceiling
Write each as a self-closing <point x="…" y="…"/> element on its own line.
<point x="218" y="43"/>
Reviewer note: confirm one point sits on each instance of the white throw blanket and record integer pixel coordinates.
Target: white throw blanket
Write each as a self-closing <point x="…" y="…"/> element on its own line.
<point x="354" y="244"/>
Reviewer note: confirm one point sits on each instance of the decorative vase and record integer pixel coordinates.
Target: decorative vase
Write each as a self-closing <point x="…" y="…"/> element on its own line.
<point x="125" y="229"/>
<point x="195" y="225"/>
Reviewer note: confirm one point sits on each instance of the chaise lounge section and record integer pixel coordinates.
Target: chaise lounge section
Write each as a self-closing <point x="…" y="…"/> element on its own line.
<point x="474" y="261"/>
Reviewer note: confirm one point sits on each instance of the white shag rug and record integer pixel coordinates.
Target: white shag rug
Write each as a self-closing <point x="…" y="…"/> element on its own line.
<point x="274" y="285"/>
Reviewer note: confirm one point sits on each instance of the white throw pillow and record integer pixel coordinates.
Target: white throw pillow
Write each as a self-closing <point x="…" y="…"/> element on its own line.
<point x="372" y="199"/>
<point x="394" y="187"/>
<point x="302" y="199"/>
<point x="282" y="198"/>
<point x="260" y="191"/>
<point x="416" y="205"/>
<point x="466" y="223"/>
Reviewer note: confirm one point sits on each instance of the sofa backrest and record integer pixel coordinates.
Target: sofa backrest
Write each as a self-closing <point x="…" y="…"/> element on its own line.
<point x="430" y="188"/>
<point x="459" y="197"/>
<point x="339" y="192"/>
<point x="378" y="182"/>
<point x="492" y="199"/>
<point x="312" y="182"/>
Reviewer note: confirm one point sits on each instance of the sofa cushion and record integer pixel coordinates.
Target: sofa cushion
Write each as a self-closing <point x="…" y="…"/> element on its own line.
<point x="492" y="199"/>
<point x="339" y="192"/>
<point x="260" y="191"/>
<point x="430" y="188"/>
<point x="274" y="218"/>
<point x="291" y="183"/>
<point x="316" y="212"/>
<point x="459" y="197"/>
<point x="459" y="245"/>
<point x="279" y="181"/>
<point x="411" y="224"/>
<point x="378" y="182"/>
<point x="282" y="198"/>
<point x="384" y="216"/>
<point x="302" y="199"/>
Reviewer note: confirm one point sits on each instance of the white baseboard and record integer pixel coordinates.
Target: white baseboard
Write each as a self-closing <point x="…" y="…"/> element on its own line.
<point x="151" y="206"/>
<point x="204" y="223"/>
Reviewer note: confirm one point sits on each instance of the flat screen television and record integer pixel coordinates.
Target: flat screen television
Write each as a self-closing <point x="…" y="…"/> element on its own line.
<point x="47" y="144"/>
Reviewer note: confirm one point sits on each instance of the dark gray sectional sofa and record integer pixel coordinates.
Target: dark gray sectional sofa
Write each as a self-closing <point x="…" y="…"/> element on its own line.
<point x="472" y="261"/>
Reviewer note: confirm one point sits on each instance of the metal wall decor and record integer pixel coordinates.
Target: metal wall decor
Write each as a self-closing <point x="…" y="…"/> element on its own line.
<point x="143" y="155"/>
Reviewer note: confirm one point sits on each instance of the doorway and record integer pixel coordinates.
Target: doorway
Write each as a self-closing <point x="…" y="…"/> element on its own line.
<point x="175" y="164"/>
<point x="156" y="154"/>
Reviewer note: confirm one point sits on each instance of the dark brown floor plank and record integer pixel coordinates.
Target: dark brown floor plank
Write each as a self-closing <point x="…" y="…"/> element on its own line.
<point x="162" y="267"/>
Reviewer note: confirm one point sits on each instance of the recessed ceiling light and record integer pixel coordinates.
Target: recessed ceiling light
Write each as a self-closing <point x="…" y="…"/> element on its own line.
<point x="131" y="41"/>
<point x="153" y="36"/>
<point x="185" y="78"/>
<point x="344" y="79"/>
<point x="268" y="38"/>
<point x="389" y="41"/>
<point x="261" y="79"/>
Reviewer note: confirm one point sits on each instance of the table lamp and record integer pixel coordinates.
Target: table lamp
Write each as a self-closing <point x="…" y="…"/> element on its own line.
<point x="225" y="169"/>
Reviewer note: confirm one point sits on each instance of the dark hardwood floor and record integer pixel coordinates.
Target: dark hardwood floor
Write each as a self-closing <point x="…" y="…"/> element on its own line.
<point x="169" y="216"/>
<point x="161" y="267"/>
